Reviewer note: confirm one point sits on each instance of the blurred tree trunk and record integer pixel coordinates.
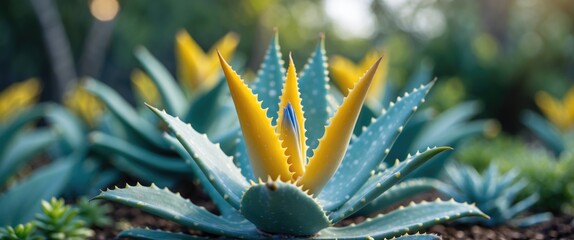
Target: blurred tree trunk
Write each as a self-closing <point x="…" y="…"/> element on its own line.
<point x="58" y="47"/>
<point x="95" y="48"/>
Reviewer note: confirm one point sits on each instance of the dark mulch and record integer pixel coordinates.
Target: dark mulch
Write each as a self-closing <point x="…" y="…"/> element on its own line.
<point x="560" y="227"/>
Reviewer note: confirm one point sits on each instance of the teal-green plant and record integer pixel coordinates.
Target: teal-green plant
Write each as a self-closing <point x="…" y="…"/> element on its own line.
<point x="275" y="189"/>
<point x="20" y="145"/>
<point x="20" y="232"/>
<point x="547" y="175"/>
<point x="59" y="221"/>
<point x="494" y="194"/>
<point x="135" y="137"/>
<point x="93" y="213"/>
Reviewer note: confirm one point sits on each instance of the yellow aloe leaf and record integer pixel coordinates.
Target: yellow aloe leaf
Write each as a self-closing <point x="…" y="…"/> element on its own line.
<point x="190" y="58"/>
<point x="552" y="109"/>
<point x="84" y="104"/>
<point x="144" y="87"/>
<point x="344" y="73"/>
<point x="226" y="46"/>
<point x="266" y="154"/>
<point x="332" y="146"/>
<point x="293" y="139"/>
<point x="18" y="96"/>
<point x="376" y="90"/>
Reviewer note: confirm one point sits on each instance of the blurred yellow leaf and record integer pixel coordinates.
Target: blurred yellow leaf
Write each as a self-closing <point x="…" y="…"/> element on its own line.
<point x="560" y="113"/>
<point x="84" y="104"/>
<point x="144" y="88"/>
<point x="345" y="73"/>
<point x="18" y="96"/>
<point x="197" y="70"/>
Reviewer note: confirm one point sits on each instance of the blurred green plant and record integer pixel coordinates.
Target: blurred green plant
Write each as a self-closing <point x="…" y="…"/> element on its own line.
<point x="20" y="232"/>
<point x="56" y="221"/>
<point x="547" y="175"/>
<point x="135" y="138"/>
<point x="494" y="194"/>
<point x="93" y="213"/>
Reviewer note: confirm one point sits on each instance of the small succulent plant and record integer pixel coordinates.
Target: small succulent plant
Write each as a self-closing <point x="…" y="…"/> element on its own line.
<point x="280" y="189"/>
<point x="492" y="193"/>
<point x="93" y="213"/>
<point x="135" y="140"/>
<point x="20" y="232"/>
<point x="56" y="221"/>
<point x="59" y="221"/>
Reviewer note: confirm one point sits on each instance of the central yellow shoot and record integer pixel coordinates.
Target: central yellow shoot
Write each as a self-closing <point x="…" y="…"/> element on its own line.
<point x="279" y="151"/>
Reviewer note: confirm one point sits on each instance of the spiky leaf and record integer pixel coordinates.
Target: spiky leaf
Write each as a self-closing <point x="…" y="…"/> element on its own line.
<point x="217" y="166"/>
<point x="368" y="151"/>
<point x="404" y="220"/>
<point x="171" y="206"/>
<point x="313" y="85"/>
<point x="227" y="211"/>
<point x="380" y="182"/>
<point x="278" y="207"/>
<point x="401" y="192"/>
<point x="170" y="93"/>
<point x="269" y="79"/>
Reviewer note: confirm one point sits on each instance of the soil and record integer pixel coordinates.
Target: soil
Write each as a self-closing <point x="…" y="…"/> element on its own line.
<point x="560" y="227"/>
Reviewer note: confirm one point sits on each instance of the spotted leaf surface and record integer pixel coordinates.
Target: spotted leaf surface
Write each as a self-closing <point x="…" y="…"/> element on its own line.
<point x="150" y="234"/>
<point x="370" y="148"/>
<point x="313" y="85"/>
<point x="269" y="80"/>
<point x="278" y="207"/>
<point x="381" y="182"/>
<point x="404" y="220"/>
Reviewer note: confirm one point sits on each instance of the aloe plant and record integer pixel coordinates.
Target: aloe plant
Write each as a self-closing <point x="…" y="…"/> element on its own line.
<point x="136" y="142"/>
<point x="279" y="189"/>
<point x="494" y="194"/>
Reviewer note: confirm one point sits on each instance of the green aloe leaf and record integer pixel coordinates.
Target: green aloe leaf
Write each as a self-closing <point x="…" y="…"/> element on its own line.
<point x="241" y="158"/>
<point x="70" y="127"/>
<point x="23" y="149"/>
<point x="278" y="207"/>
<point x="412" y="218"/>
<point x="126" y="114"/>
<point x="142" y="172"/>
<point x="369" y="149"/>
<point x="313" y="85"/>
<point x="105" y="144"/>
<point x="381" y="182"/>
<point x="544" y="130"/>
<point x="171" y="95"/>
<point x="149" y="234"/>
<point x="22" y="201"/>
<point x="171" y="206"/>
<point x="217" y="166"/>
<point x="204" y="111"/>
<point x="227" y="211"/>
<point x="402" y="192"/>
<point x="269" y="80"/>
<point x="12" y="127"/>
